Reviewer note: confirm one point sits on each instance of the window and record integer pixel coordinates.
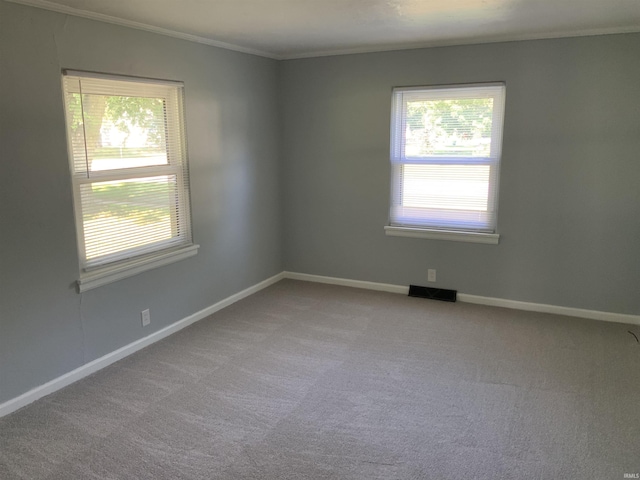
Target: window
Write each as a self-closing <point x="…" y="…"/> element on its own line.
<point x="129" y="174"/>
<point x="445" y="157"/>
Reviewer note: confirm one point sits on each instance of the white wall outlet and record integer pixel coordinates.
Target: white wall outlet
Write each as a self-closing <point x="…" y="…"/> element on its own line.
<point x="431" y="275"/>
<point x="146" y="317"/>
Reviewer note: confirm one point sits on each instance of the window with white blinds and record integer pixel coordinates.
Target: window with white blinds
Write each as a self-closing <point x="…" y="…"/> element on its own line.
<point x="129" y="171"/>
<point x="445" y="157"/>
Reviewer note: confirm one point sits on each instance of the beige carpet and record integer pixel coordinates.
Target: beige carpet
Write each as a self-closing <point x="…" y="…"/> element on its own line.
<point x="308" y="381"/>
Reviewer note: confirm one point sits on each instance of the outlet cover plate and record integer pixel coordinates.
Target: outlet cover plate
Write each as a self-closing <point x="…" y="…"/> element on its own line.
<point x="146" y="317"/>
<point x="431" y="275"/>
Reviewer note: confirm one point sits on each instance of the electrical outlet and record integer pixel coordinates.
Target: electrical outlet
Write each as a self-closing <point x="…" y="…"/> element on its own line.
<point x="431" y="275"/>
<point x="146" y="317"/>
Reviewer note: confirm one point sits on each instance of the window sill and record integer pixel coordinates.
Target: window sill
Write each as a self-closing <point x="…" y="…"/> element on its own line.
<point x="487" y="238"/>
<point x="103" y="276"/>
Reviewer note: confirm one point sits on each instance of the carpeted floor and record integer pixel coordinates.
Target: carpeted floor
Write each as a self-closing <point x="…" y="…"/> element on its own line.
<point x="309" y="381"/>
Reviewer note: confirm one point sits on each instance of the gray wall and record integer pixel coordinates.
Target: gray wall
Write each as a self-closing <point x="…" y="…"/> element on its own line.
<point x="46" y="328"/>
<point x="569" y="201"/>
<point x="569" y="208"/>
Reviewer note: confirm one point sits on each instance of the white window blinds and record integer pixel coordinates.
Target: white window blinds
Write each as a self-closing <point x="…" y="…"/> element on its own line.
<point x="445" y="156"/>
<point x="129" y="167"/>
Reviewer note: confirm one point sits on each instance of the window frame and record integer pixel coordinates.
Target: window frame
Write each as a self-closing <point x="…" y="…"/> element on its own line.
<point x="131" y="261"/>
<point x="401" y="223"/>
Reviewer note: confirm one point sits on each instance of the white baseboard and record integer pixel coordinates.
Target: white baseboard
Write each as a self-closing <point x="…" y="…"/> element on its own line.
<point x="463" y="297"/>
<point x="98" y="364"/>
<point x="558" y="310"/>
<point x="102" y="362"/>
<point x="381" y="287"/>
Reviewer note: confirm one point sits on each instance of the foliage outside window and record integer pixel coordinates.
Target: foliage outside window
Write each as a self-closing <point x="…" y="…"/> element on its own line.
<point x="445" y="155"/>
<point x="129" y="171"/>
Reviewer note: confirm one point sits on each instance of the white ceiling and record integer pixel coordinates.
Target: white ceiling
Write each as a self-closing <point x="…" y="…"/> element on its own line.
<point x="306" y="28"/>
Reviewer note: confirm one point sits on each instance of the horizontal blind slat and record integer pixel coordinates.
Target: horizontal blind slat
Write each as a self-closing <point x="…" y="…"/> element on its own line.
<point x="128" y="159"/>
<point x="445" y="154"/>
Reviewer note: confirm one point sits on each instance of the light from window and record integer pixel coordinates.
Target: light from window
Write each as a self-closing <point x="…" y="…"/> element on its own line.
<point x="445" y="156"/>
<point x="129" y="171"/>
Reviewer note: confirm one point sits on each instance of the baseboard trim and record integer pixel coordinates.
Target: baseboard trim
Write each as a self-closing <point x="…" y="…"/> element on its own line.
<point x="463" y="297"/>
<point x="345" y="282"/>
<point x="555" y="309"/>
<point x="106" y="360"/>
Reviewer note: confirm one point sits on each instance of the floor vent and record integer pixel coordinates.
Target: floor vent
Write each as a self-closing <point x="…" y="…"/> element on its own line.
<point x="433" y="293"/>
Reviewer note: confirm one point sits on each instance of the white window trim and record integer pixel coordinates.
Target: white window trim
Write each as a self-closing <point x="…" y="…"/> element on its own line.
<point x="436" y="233"/>
<point x="102" y="274"/>
<point x="470" y="237"/>
<point x="105" y="275"/>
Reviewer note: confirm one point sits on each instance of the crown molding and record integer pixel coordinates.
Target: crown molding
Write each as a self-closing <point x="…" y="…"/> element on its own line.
<point x="48" y="5"/>
<point x="458" y="42"/>
<point x="54" y="7"/>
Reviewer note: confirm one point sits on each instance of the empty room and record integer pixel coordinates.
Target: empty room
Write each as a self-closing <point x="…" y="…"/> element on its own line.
<point x="309" y="239"/>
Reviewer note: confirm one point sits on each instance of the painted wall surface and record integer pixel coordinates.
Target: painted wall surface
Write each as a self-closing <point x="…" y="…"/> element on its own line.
<point x="46" y="328"/>
<point x="569" y="207"/>
<point x="569" y="211"/>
